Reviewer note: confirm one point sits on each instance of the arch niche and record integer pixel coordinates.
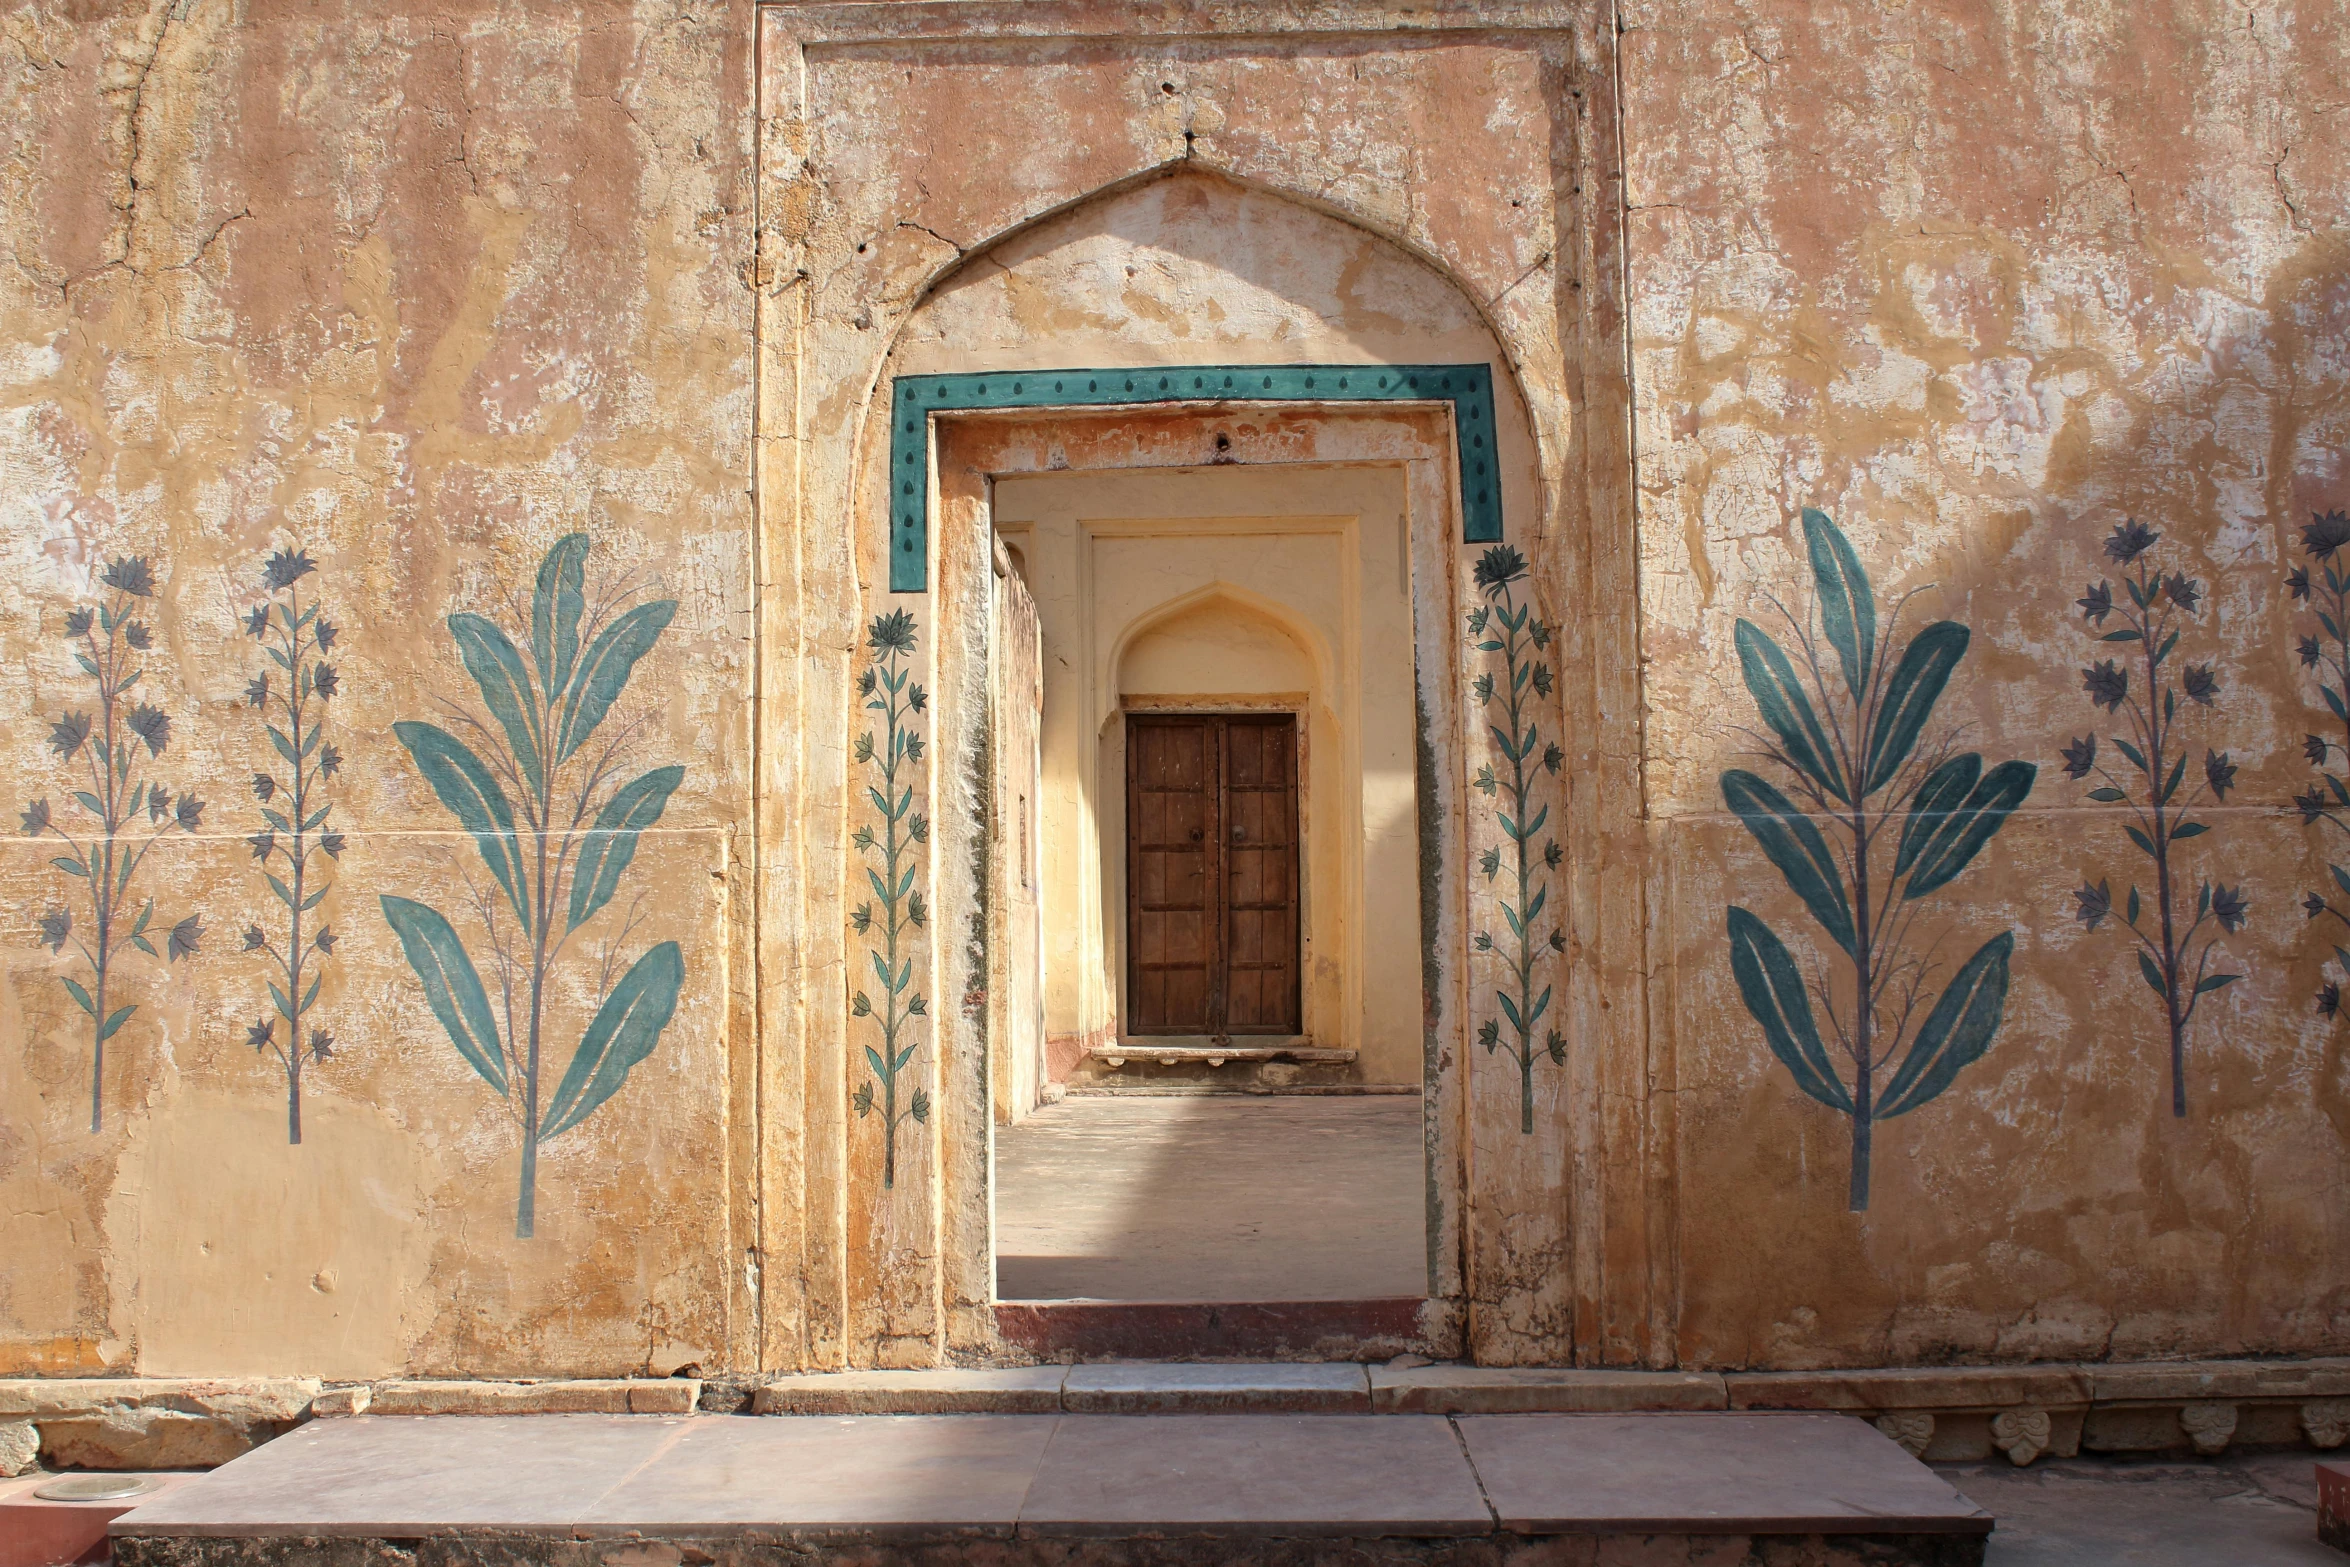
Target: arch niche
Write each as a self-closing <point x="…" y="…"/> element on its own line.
<point x="1188" y="270"/>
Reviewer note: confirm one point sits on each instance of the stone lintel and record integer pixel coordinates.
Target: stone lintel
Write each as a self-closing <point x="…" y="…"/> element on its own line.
<point x="585" y="1396"/>
<point x="233" y="1398"/>
<point x="1498" y="1390"/>
<point x="1933" y="1387"/>
<point x="1305" y="1388"/>
<point x="949" y="1390"/>
<point x="2175" y="1380"/>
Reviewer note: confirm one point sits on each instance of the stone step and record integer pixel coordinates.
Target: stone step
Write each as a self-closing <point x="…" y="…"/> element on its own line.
<point x="1168" y="1488"/>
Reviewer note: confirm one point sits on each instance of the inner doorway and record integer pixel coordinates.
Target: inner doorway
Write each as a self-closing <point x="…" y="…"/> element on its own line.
<point x="1212" y="874"/>
<point x="1207" y="1017"/>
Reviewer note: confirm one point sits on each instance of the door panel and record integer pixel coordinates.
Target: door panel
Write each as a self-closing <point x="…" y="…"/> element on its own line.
<point x="1171" y="924"/>
<point x="1212" y="874"/>
<point x="1259" y="798"/>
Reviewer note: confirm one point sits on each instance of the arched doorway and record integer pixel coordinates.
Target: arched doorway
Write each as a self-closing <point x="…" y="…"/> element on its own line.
<point x="1362" y="360"/>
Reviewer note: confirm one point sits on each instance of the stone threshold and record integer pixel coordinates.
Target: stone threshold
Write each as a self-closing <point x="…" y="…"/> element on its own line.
<point x="1214" y="1054"/>
<point x="1943" y="1414"/>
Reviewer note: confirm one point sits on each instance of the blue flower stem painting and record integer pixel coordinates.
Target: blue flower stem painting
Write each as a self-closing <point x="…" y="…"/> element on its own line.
<point x="535" y="778"/>
<point x="2327" y="653"/>
<point x="296" y="842"/>
<point x="893" y="856"/>
<point x="122" y="810"/>
<point x="1505" y="626"/>
<point x="2139" y="689"/>
<point x="1881" y="811"/>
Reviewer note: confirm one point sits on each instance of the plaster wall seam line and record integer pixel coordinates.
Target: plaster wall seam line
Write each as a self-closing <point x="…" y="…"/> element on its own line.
<point x="756" y="1262"/>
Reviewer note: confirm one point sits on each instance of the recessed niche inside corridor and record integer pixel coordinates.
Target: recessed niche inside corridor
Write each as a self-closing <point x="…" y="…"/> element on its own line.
<point x="1205" y="871"/>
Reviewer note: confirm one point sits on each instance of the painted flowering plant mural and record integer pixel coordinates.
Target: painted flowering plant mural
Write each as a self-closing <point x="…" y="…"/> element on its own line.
<point x="896" y="909"/>
<point x="2323" y="584"/>
<point x="295" y="845"/>
<point x="119" y="810"/>
<point x="537" y="783"/>
<point x="1503" y="625"/>
<point x="2140" y="689"/>
<point x="1881" y="810"/>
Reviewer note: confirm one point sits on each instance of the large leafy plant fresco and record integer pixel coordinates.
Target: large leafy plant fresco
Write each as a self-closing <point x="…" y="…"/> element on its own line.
<point x="539" y="790"/>
<point x="893" y="856"/>
<point x="1503" y="625"/>
<point x="1886" y="811"/>
<point x="2327" y="652"/>
<point x="2140" y="690"/>
<point x="122" y="811"/>
<point x="291" y="790"/>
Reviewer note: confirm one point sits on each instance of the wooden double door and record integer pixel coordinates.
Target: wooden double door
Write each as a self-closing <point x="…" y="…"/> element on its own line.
<point x="1212" y="899"/>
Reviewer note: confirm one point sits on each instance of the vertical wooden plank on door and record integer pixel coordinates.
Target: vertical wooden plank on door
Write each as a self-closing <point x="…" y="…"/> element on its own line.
<point x="1172" y="933"/>
<point x="1260" y="892"/>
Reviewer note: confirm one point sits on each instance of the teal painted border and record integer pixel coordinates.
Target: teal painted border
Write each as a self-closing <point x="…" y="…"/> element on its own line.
<point x="1468" y="388"/>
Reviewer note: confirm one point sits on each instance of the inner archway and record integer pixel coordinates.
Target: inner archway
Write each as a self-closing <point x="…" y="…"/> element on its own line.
<point x="1344" y="355"/>
<point x="1229" y="1065"/>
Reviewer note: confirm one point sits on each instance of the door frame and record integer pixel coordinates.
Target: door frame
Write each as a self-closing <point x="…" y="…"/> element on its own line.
<point x="971" y="451"/>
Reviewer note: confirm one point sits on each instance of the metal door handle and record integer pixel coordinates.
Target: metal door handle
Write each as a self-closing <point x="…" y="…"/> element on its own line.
<point x="1237" y="835"/>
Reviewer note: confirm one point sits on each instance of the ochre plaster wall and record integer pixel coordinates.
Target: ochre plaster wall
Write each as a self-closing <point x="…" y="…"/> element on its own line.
<point x="422" y="290"/>
<point x="1982" y="282"/>
<point x="416" y="289"/>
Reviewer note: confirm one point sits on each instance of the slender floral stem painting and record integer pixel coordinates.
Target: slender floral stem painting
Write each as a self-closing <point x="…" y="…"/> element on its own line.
<point x="295" y="845"/>
<point x="2326" y="652"/>
<point x="1505" y="626"/>
<point x="537" y="782"/>
<point x="109" y="749"/>
<point x="2139" y="690"/>
<point x="1885" y="811"/>
<point x="893" y="856"/>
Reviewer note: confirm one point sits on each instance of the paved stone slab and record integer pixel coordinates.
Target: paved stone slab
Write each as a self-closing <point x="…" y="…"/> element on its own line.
<point x="1512" y="1390"/>
<point x="880" y="1476"/>
<point x="1015" y="1390"/>
<point x="1349" y="1476"/>
<point x="376" y="1476"/>
<point x="1150" y="1389"/>
<point x="1708" y="1474"/>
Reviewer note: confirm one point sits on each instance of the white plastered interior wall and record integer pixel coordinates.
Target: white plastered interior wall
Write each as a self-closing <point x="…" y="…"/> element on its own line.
<point x="1281" y="589"/>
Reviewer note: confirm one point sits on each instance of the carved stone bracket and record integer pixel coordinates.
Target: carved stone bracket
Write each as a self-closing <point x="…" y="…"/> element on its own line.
<point x="2022" y="1434"/>
<point x="2208" y="1426"/>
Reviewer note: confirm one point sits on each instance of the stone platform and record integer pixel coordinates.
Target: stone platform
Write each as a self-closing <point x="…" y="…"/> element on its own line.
<point x="1066" y="1489"/>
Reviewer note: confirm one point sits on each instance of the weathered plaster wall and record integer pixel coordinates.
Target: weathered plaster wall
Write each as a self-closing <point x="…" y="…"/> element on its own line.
<point x="418" y="289"/>
<point x="424" y="289"/>
<point x="1982" y="281"/>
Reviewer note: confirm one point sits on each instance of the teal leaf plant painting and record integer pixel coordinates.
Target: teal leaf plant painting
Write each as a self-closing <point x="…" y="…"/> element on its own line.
<point x="896" y="910"/>
<point x="537" y="782"/>
<point x="1503" y="625"/>
<point x="1880" y="812"/>
<point x="291" y="788"/>
<point x="122" y="810"/>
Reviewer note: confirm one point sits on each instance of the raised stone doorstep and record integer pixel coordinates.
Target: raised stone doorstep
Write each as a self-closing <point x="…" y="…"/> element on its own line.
<point x="1954" y="1413"/>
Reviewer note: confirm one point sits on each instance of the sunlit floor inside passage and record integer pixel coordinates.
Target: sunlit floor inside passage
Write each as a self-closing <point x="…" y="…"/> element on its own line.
<point x="1213" y="1197"/>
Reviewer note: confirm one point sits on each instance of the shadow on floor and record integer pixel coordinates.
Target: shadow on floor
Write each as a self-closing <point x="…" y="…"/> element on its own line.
<point x="1213" y="1197"/>
<point x="2255" y="1510"/>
